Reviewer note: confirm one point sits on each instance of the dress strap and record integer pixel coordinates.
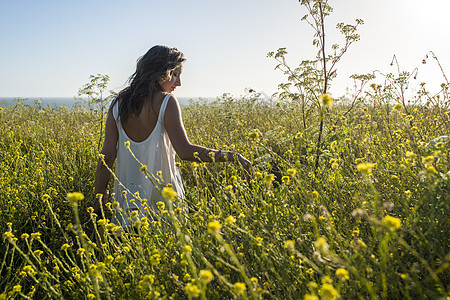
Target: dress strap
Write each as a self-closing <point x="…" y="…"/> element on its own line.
<point x="115" y="109"/>
<point x="163" y="108"/>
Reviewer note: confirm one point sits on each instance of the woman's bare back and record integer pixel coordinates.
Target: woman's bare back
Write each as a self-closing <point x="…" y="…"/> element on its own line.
<point x="139" y="128"/>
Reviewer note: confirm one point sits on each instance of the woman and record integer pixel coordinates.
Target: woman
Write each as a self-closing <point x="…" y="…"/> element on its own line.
<point x="144" y="127"/>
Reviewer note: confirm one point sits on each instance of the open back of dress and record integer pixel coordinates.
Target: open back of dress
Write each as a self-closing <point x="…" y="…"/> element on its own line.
<point x="158" y="154"/>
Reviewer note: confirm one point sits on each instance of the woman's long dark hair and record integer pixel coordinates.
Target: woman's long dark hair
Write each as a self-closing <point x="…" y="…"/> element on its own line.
<point x="152" y="69"/>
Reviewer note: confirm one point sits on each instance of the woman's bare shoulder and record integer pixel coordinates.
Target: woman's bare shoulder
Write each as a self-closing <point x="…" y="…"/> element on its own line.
<point x="173" y="102"/>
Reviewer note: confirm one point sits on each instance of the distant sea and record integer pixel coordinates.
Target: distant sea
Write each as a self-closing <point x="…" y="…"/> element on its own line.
<point x="70" y="102"/>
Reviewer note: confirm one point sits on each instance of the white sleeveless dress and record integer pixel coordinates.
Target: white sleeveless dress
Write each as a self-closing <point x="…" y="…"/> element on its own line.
<point x="158" y="154"/>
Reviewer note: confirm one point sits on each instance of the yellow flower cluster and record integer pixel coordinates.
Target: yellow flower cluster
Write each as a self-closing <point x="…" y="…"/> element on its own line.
<point x="239" y="288"/>
<point x="206" y="276"/>
<point x="214" y="227"/>
<point x="230" y="220"/>
<point x="74" y="197"/>
<point x="289" y="245"/>
<point x="169" y="193"/>
<point x="253" y="135"/>
<point x="192" y="290"/>
<point x="392" y="223"/>
<point x="342" y="274"/>
<point x="326" y="101"/>
<point x="365" y="168"/>
<point x="321" y="245"/>
<point x="269" y="178"/>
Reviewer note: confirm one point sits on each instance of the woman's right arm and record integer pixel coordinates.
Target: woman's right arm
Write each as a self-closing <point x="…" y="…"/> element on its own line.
<point x="187" y="151"/>
<point x="109" y="152"/>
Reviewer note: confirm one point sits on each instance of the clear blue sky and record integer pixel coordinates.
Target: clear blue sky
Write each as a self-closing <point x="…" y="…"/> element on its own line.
<point x="49" y="48"/>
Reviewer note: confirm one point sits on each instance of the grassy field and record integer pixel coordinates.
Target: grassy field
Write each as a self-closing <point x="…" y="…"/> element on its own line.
<point x="372" y="221"/>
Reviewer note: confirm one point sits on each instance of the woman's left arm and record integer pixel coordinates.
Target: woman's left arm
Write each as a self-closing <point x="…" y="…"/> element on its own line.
<point x="191" y="152"/>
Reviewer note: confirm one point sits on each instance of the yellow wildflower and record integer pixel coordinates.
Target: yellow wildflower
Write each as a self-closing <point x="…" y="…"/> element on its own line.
<point x="326" y="100"/>
<point x="312" y="285"/>
<point x="64" y="247"/>
<point x="160" y="205"/>
<point x="214" y="227"/>
<point x="17" y="288"/>
<point x="149" y="278"/>
<point x="398" y="106"/>
<point x="28" y="269"/>
<point x="431" y="170"/>
<point x="269" y="178"/>
<point x="75" y="197"/>
<point x="169" y="193"/>
<point x="291" y="172"/>
<point x="310" y="297"/>
<point x="392" y="223"/>
<point x="68" y="282"/>
<point x="362" y="244"/>
<point x="206" y="276"/>
<point x="428" y="161"/>
<point x="342" y="274"/>
<point x="321" y="245"/>
<point x="8" y="235"/>
<point x="253" y="135"/>
<point x="155" y="259"/>
<point x="102" y="222"/>
<point x="36" y="235"/>
<point x="230" y="220"/>
<point x="409" y="154"/>
<point x="289" y="244"/>
<point x="326" y="279"/>
<point x="127" y="144"/>
<point x="239" y="288"/>
<point x="186" y="277"/>
<point x="258" y="175"/>
<point x="328" y="292"/>
<point x="365" y="168"/>
<point x="192" y="290"/>
<point x="109" y="259"/>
